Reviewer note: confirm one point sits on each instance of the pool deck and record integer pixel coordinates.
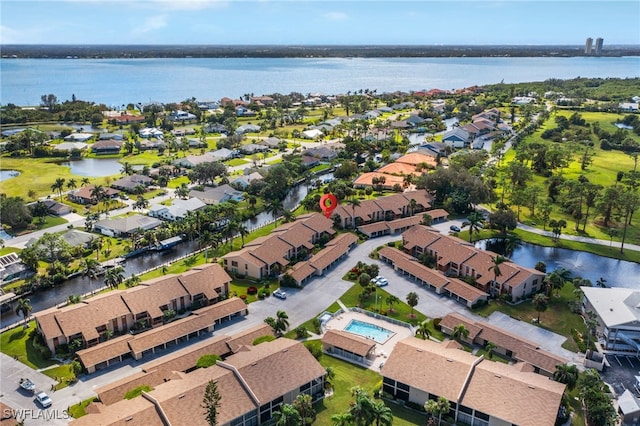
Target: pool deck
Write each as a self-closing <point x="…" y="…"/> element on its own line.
<point x="382" y="350"/>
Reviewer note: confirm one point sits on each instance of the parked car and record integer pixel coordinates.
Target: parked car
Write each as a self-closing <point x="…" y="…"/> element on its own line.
<point x="44" y="399"/>
<point x="382" y="282"/>
<point x="454" y="228"/>
<point x="280" y="294"/>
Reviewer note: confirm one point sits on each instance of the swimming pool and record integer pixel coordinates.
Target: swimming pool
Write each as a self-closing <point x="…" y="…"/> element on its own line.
<point x="371" y="331"/>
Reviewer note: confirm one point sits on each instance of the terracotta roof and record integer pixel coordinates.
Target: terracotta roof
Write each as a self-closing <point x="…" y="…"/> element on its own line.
<point x="419" y="236"/>
<point x="437" y="213"/>
<point x="333" y="250"/>
<point x="411" y="265"/>
<point x="399" y="169"/>
<point x="47" y="322"/>
<point x="8" y="418"/>
<point x="366" y="179"/>
<point x="301" y="271"/>
<point x="105" y="351"/>
<point x="415" y="158"/>
<point x="447" y="250"/>
<point x="348" y="342"/>
<point x="151" y="295"/>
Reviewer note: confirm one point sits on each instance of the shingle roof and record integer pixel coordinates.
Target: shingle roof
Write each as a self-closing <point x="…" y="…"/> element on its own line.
<point x="348" y="342"/>
<point x="105" y="351"/>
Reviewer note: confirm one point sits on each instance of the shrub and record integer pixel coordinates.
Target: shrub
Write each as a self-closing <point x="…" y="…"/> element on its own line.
<point x="264" y="293"/>
<point x="301" y="332"/>
<point x="436" y="324"/>
<point x="252" y="290"/>
<point x="207" y="360"/>
<point x="314" y="347"/>
<point x="316" y="326"/>
<point x="243" y="297"/>
<point x="267" y="338"/>
<point x="137" y="391"/>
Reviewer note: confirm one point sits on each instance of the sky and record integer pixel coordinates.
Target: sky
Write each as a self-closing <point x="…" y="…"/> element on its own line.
<point x="319" y="22"/>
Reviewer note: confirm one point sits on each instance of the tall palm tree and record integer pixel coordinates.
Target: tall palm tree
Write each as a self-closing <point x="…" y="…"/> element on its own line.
<point x="362" y="408"/>
<point x="242" y="230"/>
<point x="495" y="268"/>
<point x="127" y="169"/>
<point x="392" y="300"/>
<point x="437" y="408"/>
<point x="282" y="322"/>
<point x="72" y="184"/>
<point x="90" y="268"/>
<point x="84" y="181"/>
<point x="540" y="303"/>
<point x="353" y="202"/>
<point x="275" y="208"/>
<point x="474" y="222"/>
<point x="58" y="186"/>
<point x="24" y="307"/>
<point x="98" y="193"/>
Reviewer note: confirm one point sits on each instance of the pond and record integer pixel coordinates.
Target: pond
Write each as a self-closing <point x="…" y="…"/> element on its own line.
<point x="618" y="273"/>
<point x="94" y="167"/>
<point x="8" y="174"/>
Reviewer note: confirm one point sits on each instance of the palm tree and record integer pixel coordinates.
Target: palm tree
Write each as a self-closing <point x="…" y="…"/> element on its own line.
<point x="287" y="416"/>
<point x="362" y="408"/>
<point x="438" y="408"/>
<point x="490" y="347"/>
<point x="242" y="230"/>
<point x="495" y="268"/>
<point x="72" y="184"/>
<point x="114" y="277"/>
<point x="412" y="301"/>
<point x="474" y="222"/>
<point x="84" y="181"/>
<point x="58" y="186"/>
<point x="460" y="332"/>
<point x="342" y="419"/>
<point x="90" y="268"/>
<point x="282" y="322"/>
<point x="423" y="330"/>
<point x="98" y="193"/>
<point x="127" y="169"/>
<point x="24" y="307"/>
<point x="353" y="202"/>
<point x="132" y="281"/>
<point x="304" y="406"/>
<point x="275" y="208"/>
<point x="540" y="303"/>
<point x="392" y="300"/>
<point x="381" y="414"/>
<point x="567" y="374"/>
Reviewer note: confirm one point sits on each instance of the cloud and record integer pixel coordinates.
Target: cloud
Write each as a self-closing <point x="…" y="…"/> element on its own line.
<point x="151" y="24"/>
<point x="336" y="16"/>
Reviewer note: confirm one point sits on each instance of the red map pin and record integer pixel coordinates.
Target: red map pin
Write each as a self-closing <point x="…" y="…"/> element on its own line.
<point x="328" y="203"/>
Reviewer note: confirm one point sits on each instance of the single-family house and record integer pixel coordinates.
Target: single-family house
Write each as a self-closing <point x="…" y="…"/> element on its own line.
<point x="177" y="210"/>
<point x="247" y="128"/>
<point x="217" y="195"/>
<point x="244" y="180"/>
<point x="180" y="115"/>
<point x="131" y="182"/>
<point x="107" y="146"/>
<point x="457" y="138"/>
<point x="70" y="146"/>
<point x="125" y="226"/>
<point x="85" y="195"/>
<point x="253" y="148"/>
<point x="79" y="137"/>
<point x="55" y="208"/>
<point x="312" y="134"/>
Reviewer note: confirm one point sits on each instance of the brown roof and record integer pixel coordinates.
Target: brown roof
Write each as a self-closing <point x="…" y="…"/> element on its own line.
<point x="437" y="213"/>
<point x="135" y="412"/>
<point x="169" y="332"/>
<point x="205" y="279"/>
<point x="85" y="192"/>
<point x="366" y="179"/>
<point x="448" y="250"/>
<point x="272" y="250"/>
<point x="47" y="322"/>
<point x="419" y="236"/>
<point x="497" y="389"/>
<point x="450" y="321"/>
<point x="105" y="351"/>
<point x="246" y="337"/>
<point x="301" y="271"/>
<point x="114" y="392"/>
<point x="411" y="265"/>
<point x="522" y="398"/>
<point x="465" y="291"/>
<point x="151" y="295"/>
<point x="348" y="342"/>
<point x="333" y="250"/>
<point x="284" y="362"/>
<point x="435" y="369"/>
<point x="415" y="158"/>
<point x="7" y="418"/>
<point x="398" y="169"/>
<point x="222" y="309"/>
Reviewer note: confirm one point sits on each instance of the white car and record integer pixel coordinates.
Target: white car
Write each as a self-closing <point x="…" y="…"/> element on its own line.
<point x="280" y="294"/>
<point x="44" y="399"/>
<point x="382" y="282"/>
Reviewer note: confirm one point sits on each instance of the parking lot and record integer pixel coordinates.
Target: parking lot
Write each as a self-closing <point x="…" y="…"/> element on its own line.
<point x="621" y="375"/>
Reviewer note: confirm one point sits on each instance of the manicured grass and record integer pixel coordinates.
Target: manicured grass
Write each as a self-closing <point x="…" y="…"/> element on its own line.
<point x="62" y="374"/>
<point x="49" y="221"/>
<point x="78" y="410"/>
<point x="236" y="162"/>
<point x="348" y="376"/>
<point x="18" y="342"/>
<point x="557" y="318"/>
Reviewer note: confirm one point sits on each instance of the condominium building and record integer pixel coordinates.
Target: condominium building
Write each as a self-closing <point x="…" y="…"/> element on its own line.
<point x="588" y="46"/>
<point x="599" y="42"/>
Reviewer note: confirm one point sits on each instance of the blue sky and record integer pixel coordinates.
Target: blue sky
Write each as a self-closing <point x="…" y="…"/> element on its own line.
<point x="318" y="22"/>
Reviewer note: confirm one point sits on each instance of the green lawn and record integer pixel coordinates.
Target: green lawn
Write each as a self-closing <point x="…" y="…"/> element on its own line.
<point x="236" y="162"/>
<point x="78" y="410"/>
<point x="347" y="376"/>
<point x="557" y="318"/>
<point x="19" y="342"/>
<point x="62" y="374"/>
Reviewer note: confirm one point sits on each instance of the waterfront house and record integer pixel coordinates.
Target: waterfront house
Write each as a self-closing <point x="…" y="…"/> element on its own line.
<point x="131" y="182"/>
<point x="217" y="195"/>
<point x="106" y="146"/>
<point x="179" y="209"/>
<point x="125" y="226"/>
<point x="84" y="195"/>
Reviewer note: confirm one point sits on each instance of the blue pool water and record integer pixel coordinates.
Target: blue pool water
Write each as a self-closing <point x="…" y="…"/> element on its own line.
<point x="370" y="331"/>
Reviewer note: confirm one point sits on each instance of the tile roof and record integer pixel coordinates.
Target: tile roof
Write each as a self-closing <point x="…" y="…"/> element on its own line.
<point x="151" y="295"/>
<point x="399" y="169"/>
<point x="465" y="291"/>
<point x="419" y="236"/>
<point x="366" y="179"/>
<point x="222" y="309"/>
<point x="246" y="337"/>
<point x="134" y="412"/>
<point x="348" y="342"/>
<point x="412" y="266"/>
<point x="208" y="279"/>
<point x="415" y="158"/>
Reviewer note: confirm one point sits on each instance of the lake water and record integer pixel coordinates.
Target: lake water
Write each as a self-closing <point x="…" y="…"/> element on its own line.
<point x="8" y="174"/>
<point x="115" y="82"/>
<point x="618" y="273"/>
<point x="94" y="167"/>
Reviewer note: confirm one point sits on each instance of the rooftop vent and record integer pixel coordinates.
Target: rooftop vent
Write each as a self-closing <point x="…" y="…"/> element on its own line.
<point x="498" y="376"/>
<point x="128" y="419"/>
<point x="181" y="396"/>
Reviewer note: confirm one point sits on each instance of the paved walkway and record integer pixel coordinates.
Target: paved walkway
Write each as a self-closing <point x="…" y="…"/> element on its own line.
<point x="627" y="246"/>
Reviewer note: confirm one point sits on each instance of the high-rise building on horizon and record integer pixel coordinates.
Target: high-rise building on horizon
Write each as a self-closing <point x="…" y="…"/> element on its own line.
<point x="599" y="43"/>
<point x="588" y="46"/>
